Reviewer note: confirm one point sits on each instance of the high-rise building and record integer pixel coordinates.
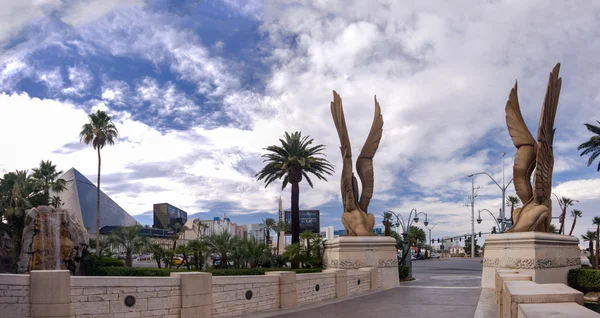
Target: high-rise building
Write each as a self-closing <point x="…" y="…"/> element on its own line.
<point x="257" y="231"/>
<point x="327" y="233"/>
<point x="166" y="216"/>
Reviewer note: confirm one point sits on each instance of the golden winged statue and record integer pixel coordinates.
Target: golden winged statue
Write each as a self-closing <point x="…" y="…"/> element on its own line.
<point x="356" y="219"/>
<point x="536" y="213"/>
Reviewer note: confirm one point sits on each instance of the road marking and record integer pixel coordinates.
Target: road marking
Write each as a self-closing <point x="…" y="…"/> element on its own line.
<point x="440" y="287"/>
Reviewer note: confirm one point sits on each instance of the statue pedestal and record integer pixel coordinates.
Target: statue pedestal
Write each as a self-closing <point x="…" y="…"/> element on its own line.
<point x="547" y="257"/>
<point x="354" y="252"/>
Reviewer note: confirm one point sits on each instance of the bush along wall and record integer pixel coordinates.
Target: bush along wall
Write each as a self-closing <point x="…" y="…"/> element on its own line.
<point x="584" y="280"/>
<point x="403" y="272"/>
<point x="141" y="271"/>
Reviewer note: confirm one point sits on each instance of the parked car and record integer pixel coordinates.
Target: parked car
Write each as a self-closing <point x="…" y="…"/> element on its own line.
<point x="177" y="260"/>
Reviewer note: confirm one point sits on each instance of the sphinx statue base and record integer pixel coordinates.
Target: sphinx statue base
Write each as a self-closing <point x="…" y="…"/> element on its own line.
<point x="547" y="257"/>
<point x="354" y="252"/>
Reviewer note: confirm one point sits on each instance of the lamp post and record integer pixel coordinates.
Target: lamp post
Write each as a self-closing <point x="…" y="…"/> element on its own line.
<point x="503" y="188"/>
<point x="497" y="220"/>
<point x="430" y="228"/>
<point x="405" y="228"/>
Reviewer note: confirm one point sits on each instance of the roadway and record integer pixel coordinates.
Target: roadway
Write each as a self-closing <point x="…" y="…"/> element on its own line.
<point x="441" y="289"/>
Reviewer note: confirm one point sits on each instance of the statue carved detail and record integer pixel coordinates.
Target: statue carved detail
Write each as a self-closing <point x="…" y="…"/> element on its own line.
<point x="536" y="213"/>
<point x="356" y="219"/>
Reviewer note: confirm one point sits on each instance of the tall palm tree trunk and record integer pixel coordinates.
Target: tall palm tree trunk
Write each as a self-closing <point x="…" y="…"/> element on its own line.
<point x="592" y="258"/>
<point x="295" y="218"/>
<point x="573" y="226"/>
<point x="563" y="218"/>
<point x="128" y="260"/>
<point x="98" y="207"/>
<point x="597" y="245"/>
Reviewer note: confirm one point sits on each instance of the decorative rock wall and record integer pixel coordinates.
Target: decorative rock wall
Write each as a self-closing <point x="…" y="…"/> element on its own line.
<point x="315" y="287"/>
<point x="14" y="295"/>
<point x="358" y="282"/>
<point x="154" y="296"/>
<point x="237" y="295"/>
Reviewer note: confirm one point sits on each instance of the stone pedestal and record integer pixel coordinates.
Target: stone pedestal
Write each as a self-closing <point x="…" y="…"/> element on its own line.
<point x="546" y="257"/>
<point x="355" y="252"/>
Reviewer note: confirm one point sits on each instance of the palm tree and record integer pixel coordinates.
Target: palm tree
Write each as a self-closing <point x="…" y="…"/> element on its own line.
<point x="512" y="201"/>
<point x="292" y="253"/>
<point x="197" y="248"/>
<point x="127" y="237"/>
<point x="99" y="131"/>
<point x="268" y="224"/>
<point x="592" y="146"/>
<point x="596" y="221"/>
<point x="56" y="202"/>
<point x="590" y="237"/>
<point x="552" y="229"/>
<point x="294" y="159"/>
<point x="256" y="252"/>
<point x="574" y="214"/>
<point x="222" y="244"/>
<point x="307" y="236"/>
<point x="47" y="175"/>
<point x="415" y="235"/>
<point x="157" y="252"/>
<point x="564" y="203"/>
<point x="387" y="223"/>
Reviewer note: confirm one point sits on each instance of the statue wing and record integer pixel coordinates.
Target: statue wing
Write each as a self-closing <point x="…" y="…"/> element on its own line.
<point x="545" y="156"/>
<point x="337" y="111"/>
<point x="523" y="140"/>
<point x="364" y="163"/>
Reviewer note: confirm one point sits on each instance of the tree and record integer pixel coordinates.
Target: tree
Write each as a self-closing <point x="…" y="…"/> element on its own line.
<point x="47" y="175"/>
<point x="197" y="248"/>
<point x="268" y="224"/>
<point x="596" y="222"/>
<point x="255" y="252"/>
<point x="293" y="253"/>
<point x="307" y="236"/>
<point x="564" y="203"/>
<point x="592" y="146"/>
<point x="56" y="202"/>
<point x="513" y="201"/>
<point x="574" y="214"/>
<point x="158" y="253"/>
<point x="415" y="235"/>
<point x="387" y="223"/>
<point x="292" y="161"/>
<point x="222" y="244"/>
<point x="129" y="238"/>
<point x="468" y="247"/>
<point x="590" y="236"/>
<point x="99" y="132"/>
<point x="553" y="229"/>
<point x="184" y="250"/>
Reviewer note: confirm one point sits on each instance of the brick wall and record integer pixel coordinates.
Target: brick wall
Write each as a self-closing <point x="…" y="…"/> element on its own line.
<point x="154" y="297"/>
<point x="354" y="287"/>
<point x="14" y="295"/>
<point x="229" y="294"/>
<point x="379" y="278"/>
<point x="306" y="287"/>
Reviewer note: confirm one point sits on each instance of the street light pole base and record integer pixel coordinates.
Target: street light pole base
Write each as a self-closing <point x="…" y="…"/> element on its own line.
<point x="547" y="257"/>
<point x="354" y="252"/>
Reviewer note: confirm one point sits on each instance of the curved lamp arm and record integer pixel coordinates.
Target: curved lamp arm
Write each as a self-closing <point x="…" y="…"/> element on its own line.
<point x="492" y="214"/>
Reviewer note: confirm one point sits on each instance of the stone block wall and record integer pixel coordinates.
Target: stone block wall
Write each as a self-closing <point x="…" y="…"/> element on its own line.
<point x="358" y="282"/>
<point x="154" y="297"/>
<point x="315" y="287"/>
<point x="184" y="294"/>
<point x="14" y="295"/>
<point x="237" y="295"/>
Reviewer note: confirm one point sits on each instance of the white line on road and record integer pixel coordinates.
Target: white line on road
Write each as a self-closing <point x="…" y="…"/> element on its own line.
<point x="440" y="287"/>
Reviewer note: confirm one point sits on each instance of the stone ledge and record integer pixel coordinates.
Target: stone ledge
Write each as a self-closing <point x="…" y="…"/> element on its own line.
<point x="114" y="281"/>
<point x="308" y="276"/>
<point x="250" y="279"/>
<point x="559" y="310"/>
<point x="14" y="279"/>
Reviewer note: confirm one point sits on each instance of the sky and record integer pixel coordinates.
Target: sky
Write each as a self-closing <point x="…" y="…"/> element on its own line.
<point x="198" y="89"/>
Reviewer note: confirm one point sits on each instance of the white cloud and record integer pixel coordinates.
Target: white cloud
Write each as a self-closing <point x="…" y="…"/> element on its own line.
<point x="80" y="79"/>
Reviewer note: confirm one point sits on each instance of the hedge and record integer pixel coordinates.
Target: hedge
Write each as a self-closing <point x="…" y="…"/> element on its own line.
<point x="403" y="272"/>
<point x="584" y="280"/>
<point x="143" y="271"/>
<point x="93" y="261"/>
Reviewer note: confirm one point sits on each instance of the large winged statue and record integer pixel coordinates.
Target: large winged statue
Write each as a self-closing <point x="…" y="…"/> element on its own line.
<point x="536" y="213"/>
<point x="356" y="219"/>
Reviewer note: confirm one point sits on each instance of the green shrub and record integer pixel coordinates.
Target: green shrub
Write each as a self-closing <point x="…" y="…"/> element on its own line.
<point x="584" y="280"/>
<point x="403" y="272"/>
<point x="143" y="271"/>
<point x="91" y="261"/>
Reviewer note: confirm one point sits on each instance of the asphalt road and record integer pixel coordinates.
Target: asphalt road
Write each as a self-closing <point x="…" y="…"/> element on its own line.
<point x="441" y="289"/>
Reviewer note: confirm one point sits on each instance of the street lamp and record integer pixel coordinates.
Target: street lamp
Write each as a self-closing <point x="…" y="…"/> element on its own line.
<point x="503" y="188"/>
<point x="497" y="220"/>
<point x="400" y="222"/>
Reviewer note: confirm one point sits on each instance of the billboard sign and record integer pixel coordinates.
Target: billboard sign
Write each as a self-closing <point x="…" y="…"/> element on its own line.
<point x="309" y="220"/>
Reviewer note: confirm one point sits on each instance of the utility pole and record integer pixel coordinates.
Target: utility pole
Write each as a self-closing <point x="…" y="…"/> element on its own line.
<point x="472" y="203"/>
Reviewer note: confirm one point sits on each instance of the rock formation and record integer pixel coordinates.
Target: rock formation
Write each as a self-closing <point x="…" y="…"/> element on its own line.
<point x="52" y="239"/>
